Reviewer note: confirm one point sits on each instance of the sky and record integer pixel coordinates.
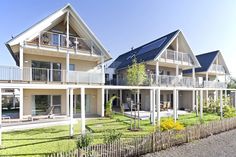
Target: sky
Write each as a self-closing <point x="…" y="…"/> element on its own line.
<point x="207" y="25"/>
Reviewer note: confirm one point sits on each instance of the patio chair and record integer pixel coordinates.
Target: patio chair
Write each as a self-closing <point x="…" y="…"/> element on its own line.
<point x="126" y="107"/>
<point x="48" y="114"/>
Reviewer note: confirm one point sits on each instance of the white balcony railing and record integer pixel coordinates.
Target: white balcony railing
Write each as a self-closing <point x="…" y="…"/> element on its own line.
<point x="174" y="56"/>
<point x="214" y="84"/>
<point x="168" y="80"/>
<point x="59" y="41"/>
<point x="28" y="74"/>
<point x="217" y="68"/>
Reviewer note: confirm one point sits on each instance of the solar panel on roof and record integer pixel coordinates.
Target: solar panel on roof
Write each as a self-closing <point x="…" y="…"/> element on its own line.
<point x="151" y="46"/>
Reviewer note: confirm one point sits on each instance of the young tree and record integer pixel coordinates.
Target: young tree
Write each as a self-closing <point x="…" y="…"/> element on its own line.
<point x="136" y="76"/>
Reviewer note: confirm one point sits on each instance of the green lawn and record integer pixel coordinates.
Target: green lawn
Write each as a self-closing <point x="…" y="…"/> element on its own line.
<point x="56" y="139"/>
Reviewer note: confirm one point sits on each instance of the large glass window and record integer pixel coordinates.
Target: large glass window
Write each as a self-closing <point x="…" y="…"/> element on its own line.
<point x="88" y="103"/>
<point x="41" y="103"/>
<point x="55" y="39"/>
<point x="46" y="104"/>
<point x="46" y="71"/>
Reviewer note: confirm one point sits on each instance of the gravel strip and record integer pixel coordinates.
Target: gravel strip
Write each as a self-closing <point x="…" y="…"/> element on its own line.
<point x="221" y="145"/>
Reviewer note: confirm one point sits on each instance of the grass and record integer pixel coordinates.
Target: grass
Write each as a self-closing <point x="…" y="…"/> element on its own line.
<point x="37" y="142"/>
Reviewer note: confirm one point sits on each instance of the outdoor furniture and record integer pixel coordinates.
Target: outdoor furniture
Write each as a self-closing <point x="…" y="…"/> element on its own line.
<point x="126" y="106"/>
<point x="47" y="115"/>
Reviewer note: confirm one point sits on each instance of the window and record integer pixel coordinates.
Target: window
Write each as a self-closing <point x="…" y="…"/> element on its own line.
<point x="72" y="67"/>
<point x="55" y="39"/>
<point x="168" y="73"/>
<point x="41" y="104"/>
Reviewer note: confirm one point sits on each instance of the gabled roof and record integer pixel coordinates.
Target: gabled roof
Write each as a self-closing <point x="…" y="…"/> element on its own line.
<point x="46" y="22"/>
<point x="144" y="53"/>
<point x="205" y="60"/>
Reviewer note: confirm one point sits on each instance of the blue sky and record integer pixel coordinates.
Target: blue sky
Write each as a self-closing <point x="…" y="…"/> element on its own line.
<point x="207" y="24"/>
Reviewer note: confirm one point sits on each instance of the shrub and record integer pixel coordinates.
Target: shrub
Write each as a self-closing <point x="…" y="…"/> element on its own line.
<point x="84" y="141"/>
<point x="228" y="111"/>
<point x="111" y="135"/>
<point x="108" y="112"/>
<point x="169" y="124"/>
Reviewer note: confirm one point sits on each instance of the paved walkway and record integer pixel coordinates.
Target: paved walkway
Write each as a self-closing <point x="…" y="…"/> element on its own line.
<point x="222" y="145"/>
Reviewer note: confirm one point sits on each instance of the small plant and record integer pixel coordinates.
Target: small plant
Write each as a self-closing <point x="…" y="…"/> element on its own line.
<point x="169" y="124"/>
<point x="109" y="106"/>
<point x="111" y="135"/>
<point x="228" y="111"/>
<point x="84" y="141"/>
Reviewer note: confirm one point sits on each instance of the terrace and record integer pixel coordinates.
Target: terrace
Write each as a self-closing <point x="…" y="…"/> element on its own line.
<point x="44" y="75"/>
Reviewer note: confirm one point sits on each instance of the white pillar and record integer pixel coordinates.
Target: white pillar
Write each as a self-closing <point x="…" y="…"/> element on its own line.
<point x="0" y="116"/>
<point x="21" y="105"/>
<point x="82" y="110"/>
<point x="197" y="102"/>
<point x="207" y="99"/>
<point x="207" y="76"/>
<point x="120" y="97"/>
<point x="102" y="102"/>
<point x="68" y="102"/>
<point x="158" y="107"/>
<point x="193" y="100"/>
<point x="67" y="45"/>
<point x="157" y="72"/>
<point x="201" y="104"/>
<point x="71" y="113"/>
<point x="221" y="104"/>
<point x="177" y="103"/>
<point x="21" y="59"/>
<point x="177" y="70"/>
<point x="193" y="77"/>
<point x="138" y="98"/>
<point x="153" y="107"/>
<point x="174" y="104"/>
<point x="103" y="70"/>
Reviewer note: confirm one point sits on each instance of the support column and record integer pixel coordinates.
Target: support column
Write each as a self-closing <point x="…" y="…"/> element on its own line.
<point x="193" y="77"/>
<point x="193" y="100"/>
<point x="71" y="113"/>
<point x="1" y="117"/>
<point x="197" y="97"/>
<point x="120" y="97"/>
<point x="157" y="72"/>
<point x="103" y="70"/>
<point x="177" y="70"/>
<point x="82" y="92"/>
<point x="21" y="105"/>
<point x="67" y="45"/>
<point x="158" y="107"/>
<point x="221" y="104"/>
<point x="151" y="105"/>
<point x="102" y="102"/>
<point x="177" y="103"/>
<point x="201" y="104"/>
<point x="153" y="108"/>
<point x="174" y="104"/>
<point x="138" y="93"/>
<point x="21" y="59"/>
<point x="68" y="102"/>
<point x="207" y="99"/>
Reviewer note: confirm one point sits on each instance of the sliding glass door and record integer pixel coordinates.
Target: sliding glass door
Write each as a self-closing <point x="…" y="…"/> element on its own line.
<point x="46" y="71"/>
<point x="88" y="103"/>
<point x="46" y="104"/>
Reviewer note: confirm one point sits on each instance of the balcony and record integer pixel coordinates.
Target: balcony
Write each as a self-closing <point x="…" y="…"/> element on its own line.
<point x="214" y="84"/>
<point x="171" y="56"/>
<point x="171" y="81"/>
<point x="41" y="75"/>
<point x="59" y="42"/>
<point x="217" y="69"/>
